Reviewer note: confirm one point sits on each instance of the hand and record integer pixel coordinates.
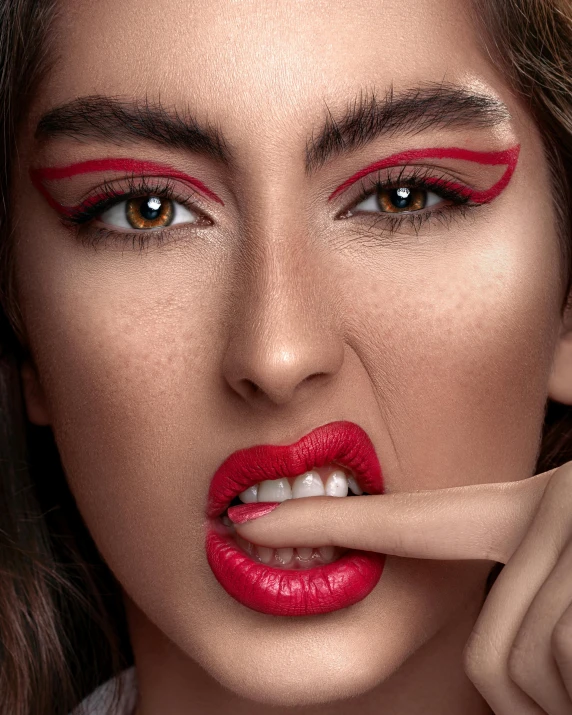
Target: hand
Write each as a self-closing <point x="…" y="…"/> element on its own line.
<point x="519" y="655"/>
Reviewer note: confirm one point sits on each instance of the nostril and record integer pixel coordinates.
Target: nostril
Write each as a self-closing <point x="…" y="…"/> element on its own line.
<point x="251" y="386"/>
<point x="315" y="374"/>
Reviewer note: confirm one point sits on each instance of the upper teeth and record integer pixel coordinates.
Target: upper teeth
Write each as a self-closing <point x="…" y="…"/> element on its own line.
<point x="309" y="484"/>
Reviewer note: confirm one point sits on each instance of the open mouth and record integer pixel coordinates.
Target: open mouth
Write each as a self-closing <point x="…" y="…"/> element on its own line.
<point x="331" y="480"/>
<point x="337" y="459"/>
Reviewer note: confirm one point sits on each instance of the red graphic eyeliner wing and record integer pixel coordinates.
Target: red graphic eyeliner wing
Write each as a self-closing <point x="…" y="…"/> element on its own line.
<point x="55" y="173"/>
<point x="508" y="157"/>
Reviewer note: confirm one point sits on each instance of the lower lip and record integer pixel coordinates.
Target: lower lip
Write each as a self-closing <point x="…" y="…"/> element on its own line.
<point x="285" y="592"/>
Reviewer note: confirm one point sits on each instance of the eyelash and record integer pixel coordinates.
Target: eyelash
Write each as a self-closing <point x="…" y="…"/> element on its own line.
<point x="132" y="188"/>
<point x="420" y="178"/>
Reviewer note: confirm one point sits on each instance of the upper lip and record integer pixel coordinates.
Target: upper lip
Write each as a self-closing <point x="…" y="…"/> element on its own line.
<point x="343" y="443"/>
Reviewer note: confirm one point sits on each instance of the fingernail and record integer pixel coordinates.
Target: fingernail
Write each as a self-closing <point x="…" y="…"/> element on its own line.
<point x="247" y="512"/>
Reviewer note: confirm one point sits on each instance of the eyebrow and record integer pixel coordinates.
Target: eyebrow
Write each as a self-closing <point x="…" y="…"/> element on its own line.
<point x="124" y="121"/>
<point x="410" y="112"/>
<point x="367" y="118"/>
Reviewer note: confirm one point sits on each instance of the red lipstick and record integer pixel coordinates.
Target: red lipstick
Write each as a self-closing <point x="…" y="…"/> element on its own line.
<point x="508" y="157"/>
<point x="284" y="592"/>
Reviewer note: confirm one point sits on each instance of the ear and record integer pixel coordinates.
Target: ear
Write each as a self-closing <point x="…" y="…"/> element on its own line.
<point x="560" y="380"/>
<point x="36" y="407"/>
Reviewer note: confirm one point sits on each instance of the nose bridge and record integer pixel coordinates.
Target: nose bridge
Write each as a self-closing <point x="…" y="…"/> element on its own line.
<point x="282" y="329"/>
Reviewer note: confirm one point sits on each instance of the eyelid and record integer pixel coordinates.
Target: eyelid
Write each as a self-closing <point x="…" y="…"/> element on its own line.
<point x="120" y="189"/>
<point x="421" y="177"/>
<point x="508" y="157"/>
<point x="134" y="166"/>
<point x="39" y="176"/>
<point x="137" y="186"/>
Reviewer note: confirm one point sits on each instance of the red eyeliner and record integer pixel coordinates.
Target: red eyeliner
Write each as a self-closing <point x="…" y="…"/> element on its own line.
<point x="38" y="176"/>
<point x="508" y="157"/>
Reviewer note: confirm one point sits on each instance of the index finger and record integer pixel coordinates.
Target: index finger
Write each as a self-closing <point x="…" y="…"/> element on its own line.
<point x="479" y="521"/>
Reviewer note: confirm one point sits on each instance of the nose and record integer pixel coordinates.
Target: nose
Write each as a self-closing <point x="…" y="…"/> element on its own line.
<point x="283" y="337"/>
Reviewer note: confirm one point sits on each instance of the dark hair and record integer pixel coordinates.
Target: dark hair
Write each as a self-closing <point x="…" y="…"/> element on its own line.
<point x="532" y="41"/>
<point x="62" y="621"/>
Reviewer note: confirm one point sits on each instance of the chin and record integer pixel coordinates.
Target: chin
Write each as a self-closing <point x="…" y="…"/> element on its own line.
<point x="303" y="678"/>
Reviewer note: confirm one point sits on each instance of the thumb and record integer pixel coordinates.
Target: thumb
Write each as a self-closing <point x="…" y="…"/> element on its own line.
<point x="479" y="521"/>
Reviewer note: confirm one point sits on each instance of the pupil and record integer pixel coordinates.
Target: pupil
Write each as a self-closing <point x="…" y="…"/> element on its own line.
<point x="150" y="208"/>
<point x="400" y="198"/>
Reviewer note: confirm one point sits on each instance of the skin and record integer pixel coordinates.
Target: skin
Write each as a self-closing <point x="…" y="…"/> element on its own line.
<point x="443" y="347"/>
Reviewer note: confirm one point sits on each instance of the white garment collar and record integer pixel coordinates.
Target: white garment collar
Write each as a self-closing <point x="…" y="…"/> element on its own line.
<point x="99" y="701"/>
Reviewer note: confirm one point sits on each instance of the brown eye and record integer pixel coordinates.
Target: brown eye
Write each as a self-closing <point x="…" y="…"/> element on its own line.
<point x="398" y="200"/>
<point x="149" y="212"/>
<point x="401" y="199"/>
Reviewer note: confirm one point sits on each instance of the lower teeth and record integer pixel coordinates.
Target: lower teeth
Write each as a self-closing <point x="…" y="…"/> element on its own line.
<point x="301" y="558"/>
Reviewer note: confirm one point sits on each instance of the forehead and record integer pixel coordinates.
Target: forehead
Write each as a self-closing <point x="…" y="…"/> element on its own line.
<point x="274" y="63"/>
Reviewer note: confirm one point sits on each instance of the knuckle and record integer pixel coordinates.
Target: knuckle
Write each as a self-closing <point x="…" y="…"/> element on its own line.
<point x="482" y="660"/>
<point x="491" y="549"/>
<point x="560" y="485"/>
<point x="556" y="506"/>
<point x="561" y="640"/>
<point x="520" y="665"/>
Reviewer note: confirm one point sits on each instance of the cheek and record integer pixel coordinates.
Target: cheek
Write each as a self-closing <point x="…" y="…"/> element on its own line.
<point x="125" y="348"/>
<point x="460" y="352"/>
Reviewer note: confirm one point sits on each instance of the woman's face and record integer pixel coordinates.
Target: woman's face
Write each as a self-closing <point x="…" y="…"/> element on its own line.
<point x="432" y="329"/>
